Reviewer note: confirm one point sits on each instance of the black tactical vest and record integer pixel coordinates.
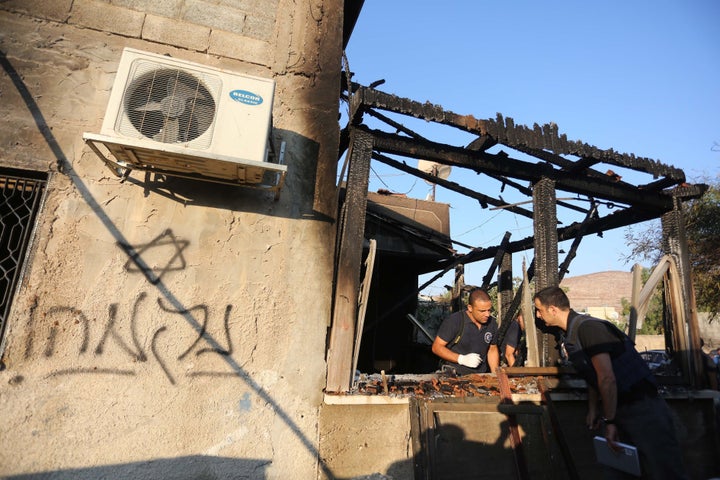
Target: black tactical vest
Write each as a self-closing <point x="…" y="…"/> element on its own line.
<point x="629" y="367"/>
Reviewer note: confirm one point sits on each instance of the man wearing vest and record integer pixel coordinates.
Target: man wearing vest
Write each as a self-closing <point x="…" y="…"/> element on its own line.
<point x="622" y="393"/>
<point x="465" y="340"/>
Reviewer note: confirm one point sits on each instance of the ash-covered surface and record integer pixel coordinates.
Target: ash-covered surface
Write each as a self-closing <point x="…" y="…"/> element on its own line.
<point x="439" y="385"/>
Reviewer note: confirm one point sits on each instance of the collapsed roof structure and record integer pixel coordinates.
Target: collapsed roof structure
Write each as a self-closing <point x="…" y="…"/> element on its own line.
<point x="539" y="162"/>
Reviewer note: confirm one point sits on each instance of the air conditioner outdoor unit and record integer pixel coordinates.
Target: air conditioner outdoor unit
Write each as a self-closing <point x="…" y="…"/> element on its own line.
<point x="175" y="117"/>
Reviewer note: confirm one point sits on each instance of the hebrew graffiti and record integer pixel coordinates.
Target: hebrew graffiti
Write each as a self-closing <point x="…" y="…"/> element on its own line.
<point x="136" y="337"/>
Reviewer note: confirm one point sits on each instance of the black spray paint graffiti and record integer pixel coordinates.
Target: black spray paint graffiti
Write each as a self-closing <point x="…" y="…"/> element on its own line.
<point x="166" y="246"/>
<point x="74" y="323"/>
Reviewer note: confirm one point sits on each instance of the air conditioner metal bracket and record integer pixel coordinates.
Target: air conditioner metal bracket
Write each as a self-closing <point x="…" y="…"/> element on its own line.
<point x="126" y="155"/>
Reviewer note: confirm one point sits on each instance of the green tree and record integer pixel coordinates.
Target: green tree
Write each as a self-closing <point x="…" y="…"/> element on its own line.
<point x="702" y="228"/>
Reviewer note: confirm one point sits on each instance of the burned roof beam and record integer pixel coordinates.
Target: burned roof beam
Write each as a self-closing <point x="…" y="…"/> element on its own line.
<point x="563" y="268"/>
<point x="615" y="220"/>
<point x="568" y="166"/>
<point x="658" y="184"/>
<point x="689" y="192"/>
<point x="582" y="164"/>
<point x="484" y="200"/>
<point x="506" y="166"/>
<point x="398" y="126"/>
<point x="481" y="145"/>
<point x="506" y="132"/>
<point x="528" y="191"/>
<point x="502" y="248"/>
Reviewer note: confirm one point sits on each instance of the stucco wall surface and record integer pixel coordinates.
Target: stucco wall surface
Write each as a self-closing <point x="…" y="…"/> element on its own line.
<point x="165" y="328"/>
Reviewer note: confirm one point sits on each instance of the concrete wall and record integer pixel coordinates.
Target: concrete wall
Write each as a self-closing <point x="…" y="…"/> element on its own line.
<point x="204" y="356"/>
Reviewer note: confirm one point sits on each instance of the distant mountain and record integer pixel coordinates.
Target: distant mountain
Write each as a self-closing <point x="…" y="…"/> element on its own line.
<point x="602" y="289"/>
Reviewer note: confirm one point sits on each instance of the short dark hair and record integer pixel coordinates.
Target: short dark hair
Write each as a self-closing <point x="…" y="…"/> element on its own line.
<point x="478" y="294"/>
<point x="553" y="296"/>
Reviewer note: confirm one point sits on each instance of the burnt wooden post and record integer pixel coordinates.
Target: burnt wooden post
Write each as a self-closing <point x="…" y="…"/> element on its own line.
<point x="546" y="257"/>
<point x="505" y="285"/>
<point x="674" y="243"/>
<point x="458" y="287"/>
<point x="349" y="261"/>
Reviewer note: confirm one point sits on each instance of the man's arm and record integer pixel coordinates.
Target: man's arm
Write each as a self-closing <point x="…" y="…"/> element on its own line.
<point x="510" y="354"/>
<point x="607" y="388"/>
<point x="593" y="416"/>
<point x="493" y="358"/>
<point x="439" y="348"/>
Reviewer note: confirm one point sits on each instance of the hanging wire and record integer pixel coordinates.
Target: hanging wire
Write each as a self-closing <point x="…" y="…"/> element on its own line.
<point x="478" y="226"/>
<point x="390" y="189"/>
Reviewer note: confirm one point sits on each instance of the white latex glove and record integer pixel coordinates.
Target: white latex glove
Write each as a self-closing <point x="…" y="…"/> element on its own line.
<point x="471" y="360"/>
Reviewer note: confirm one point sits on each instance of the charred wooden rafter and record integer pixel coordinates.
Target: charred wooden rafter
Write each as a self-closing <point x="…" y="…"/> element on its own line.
<point x="506" y="166"/>
<point x="484" y="200"/>
<point x="503" y="130"/>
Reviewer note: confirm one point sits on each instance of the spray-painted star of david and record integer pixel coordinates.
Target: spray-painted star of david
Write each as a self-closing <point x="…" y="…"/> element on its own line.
<point x="138" y="255"/>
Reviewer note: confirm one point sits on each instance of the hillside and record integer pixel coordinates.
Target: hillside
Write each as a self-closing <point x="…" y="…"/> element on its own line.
<point x="602" y="289"/>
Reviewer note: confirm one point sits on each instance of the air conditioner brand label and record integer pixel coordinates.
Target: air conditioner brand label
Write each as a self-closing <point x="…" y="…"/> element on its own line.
<point x="248" y="98"/>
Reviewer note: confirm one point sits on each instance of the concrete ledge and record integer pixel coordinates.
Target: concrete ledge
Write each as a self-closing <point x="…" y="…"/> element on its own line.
<point x="108" y="18"/>
<point x="364" y="400"/>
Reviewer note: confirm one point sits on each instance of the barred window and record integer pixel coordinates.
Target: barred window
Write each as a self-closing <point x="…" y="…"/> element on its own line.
<point x="21" y="194"/>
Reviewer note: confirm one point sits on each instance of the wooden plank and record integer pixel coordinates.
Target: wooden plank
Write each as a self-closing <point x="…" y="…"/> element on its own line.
<point x="528" y="313"/>
<point x="342" y="331"/>
<point x="362" y="304"/>
<point x="634" y="320"/>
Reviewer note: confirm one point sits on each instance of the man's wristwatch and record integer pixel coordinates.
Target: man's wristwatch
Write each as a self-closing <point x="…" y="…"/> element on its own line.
<point x="608" y="421"/>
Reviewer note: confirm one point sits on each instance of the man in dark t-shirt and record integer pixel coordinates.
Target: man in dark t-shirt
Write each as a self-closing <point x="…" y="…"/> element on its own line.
<point x="512" y="343"/>
<point x="464" y="340"/>
<point x="622" y="395"/>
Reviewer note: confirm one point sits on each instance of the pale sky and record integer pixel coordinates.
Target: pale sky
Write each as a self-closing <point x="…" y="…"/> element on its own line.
<point x="639" y="77"/>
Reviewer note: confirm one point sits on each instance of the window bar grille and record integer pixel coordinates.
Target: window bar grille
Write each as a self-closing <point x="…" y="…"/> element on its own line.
<point x="20" y="199"/>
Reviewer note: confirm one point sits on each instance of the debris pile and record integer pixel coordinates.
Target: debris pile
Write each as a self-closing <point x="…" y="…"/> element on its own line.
<point x="431" y="386"/>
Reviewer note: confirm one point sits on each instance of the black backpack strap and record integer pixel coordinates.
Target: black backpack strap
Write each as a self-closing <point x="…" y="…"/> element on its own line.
<point x="459" y="334"/>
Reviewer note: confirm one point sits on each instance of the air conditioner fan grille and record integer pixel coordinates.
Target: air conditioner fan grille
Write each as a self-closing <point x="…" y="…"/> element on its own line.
<point x="170" y="105"/>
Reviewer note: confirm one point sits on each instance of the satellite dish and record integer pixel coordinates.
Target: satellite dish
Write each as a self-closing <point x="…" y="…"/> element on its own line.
<point x="435" y="169"/>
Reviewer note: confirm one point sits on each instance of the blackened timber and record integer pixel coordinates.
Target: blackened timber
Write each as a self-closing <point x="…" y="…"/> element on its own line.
<point x="688" y="192"/>
<point x="506" y="166"/>
<point x="496" y="261"/>
<point x="582" y="164"/>
<point x="347" y="284"/>
<point x="481" y="143"/>
<point x="574" y="168"/>
<point x="546" y="254"/>
<point x="481" y="146"/>
<point x="396" y="125"/>
<point x="482" y="198"/>
<point x="528" y="192"/>
<point x="542" y="138"/>
<point x="505" y="283"/>
<point x="623" y="218"/>
<point x="563" y="269"/>
<point x="658" y="185"/>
